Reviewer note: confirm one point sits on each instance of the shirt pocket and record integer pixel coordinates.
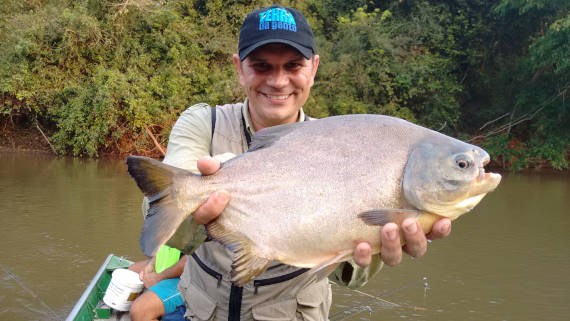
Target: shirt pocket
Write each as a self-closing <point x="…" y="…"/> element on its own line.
<point x="313" y="302"/>
<point x="199" y="306"/>
<point x="281" y="310"/>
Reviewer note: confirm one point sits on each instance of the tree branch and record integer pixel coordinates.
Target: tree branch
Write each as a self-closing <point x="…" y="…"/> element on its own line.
<point x="155" y="142"/>
<point x="45" y="137"/>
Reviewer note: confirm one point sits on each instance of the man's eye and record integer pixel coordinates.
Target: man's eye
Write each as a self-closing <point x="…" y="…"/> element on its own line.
<point x="293" y="66"/>
<point x="261" y="67"/>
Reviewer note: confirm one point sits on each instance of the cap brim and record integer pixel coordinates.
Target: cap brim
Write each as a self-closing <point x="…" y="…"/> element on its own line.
<point x="306" y="52"/>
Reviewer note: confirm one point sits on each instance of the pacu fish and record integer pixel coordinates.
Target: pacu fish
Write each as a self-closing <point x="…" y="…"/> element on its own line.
<point x="306" y="193"/>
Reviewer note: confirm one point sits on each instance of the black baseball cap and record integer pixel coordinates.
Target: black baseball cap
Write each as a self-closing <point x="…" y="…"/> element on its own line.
<point x="276" y="24"/>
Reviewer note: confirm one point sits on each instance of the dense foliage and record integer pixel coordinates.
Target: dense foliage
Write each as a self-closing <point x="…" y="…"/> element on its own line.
<point x="100" y="75"/>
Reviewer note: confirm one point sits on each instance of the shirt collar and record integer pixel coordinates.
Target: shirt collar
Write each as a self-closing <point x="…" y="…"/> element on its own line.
<point x="249" y="123"/>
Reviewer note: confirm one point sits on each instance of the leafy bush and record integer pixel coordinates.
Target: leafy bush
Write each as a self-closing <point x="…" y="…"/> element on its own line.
<point x="100" y="74"/>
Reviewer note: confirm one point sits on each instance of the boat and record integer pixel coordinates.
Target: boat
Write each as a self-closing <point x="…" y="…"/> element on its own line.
<point x="90" y="305"/>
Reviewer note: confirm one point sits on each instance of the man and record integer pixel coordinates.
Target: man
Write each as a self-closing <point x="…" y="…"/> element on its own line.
<point x="276" y="65"/>
<point x="161" y="299"/>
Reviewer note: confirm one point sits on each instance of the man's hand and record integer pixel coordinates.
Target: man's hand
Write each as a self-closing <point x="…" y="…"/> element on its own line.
<point x="148" y="275"/>
<point x="215" y="204"/>
<point x="416" y="241"/>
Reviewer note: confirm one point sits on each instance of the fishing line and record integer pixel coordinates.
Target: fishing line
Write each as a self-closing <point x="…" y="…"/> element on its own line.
<point x="30" y="292"/>
<point x="357" y="311"/>
<point x="373" y="298"/>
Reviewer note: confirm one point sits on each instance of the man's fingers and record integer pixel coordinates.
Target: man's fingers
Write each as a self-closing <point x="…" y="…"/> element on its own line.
<point x="208" y="165"/>
<point x="440" y="229"/>
<point x="416" y="243"/>
<point x="391" y="251"/>
<point x="363" y="254"/>
<point x="212" y="207"/>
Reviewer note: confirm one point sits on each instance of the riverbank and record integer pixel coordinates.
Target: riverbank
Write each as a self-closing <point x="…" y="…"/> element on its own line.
<point x="23" y="140"/>
<point x="15" y="140"/>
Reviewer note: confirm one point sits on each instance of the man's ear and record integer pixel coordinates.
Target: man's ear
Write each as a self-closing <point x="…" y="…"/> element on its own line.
<point x="316" y="60"/>
<point x="237" y="64"/>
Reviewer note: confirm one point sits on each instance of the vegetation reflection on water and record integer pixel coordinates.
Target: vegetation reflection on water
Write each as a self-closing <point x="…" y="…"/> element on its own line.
<point x="507" y="260"/>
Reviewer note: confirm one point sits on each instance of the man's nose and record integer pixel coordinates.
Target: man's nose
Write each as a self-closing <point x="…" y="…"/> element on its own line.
<point x="278" y="78"/>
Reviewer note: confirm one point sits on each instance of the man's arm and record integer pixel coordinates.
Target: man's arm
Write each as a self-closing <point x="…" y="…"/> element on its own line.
<point x="190" y="138"/>
<point x="150" y="277"/>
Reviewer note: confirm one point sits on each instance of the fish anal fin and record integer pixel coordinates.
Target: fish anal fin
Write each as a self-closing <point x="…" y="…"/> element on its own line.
<point x="383" y="216"/>
<point x="327" y="267"/>
<point x="248" y="262"/>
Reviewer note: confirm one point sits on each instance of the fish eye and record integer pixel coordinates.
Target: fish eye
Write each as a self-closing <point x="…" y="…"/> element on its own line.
<point x="462" y="163"/>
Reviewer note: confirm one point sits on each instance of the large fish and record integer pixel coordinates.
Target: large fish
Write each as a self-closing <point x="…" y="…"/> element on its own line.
<point x="306" y="193"/>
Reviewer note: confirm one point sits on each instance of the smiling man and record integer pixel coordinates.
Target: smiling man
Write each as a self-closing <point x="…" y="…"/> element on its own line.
<point x="276" y="65"/>
<point x="277" y="80"/>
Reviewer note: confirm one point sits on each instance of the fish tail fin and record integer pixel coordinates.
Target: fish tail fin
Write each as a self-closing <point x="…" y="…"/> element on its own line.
<point x="164" y="215"/>
<point x="383" y="216"/>
<point x="247" y="263"/>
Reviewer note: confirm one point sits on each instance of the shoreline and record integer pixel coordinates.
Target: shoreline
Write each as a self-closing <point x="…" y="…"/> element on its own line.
<point x="32" y="142"/>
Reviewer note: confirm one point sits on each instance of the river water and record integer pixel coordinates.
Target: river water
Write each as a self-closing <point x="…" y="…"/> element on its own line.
<point x="506" y="260"/>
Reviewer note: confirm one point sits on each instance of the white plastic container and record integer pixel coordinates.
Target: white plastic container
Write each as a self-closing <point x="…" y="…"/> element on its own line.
<point x="124" y="288"/>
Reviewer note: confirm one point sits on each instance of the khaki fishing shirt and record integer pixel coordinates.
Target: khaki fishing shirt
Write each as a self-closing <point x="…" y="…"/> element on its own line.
<point x="282" y="292"/>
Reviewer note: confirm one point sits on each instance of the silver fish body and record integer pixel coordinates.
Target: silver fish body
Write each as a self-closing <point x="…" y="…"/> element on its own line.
<point x="305" y="194"/>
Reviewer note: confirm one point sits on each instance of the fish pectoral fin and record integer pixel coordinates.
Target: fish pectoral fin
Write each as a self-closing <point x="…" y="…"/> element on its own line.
<point x="247" y="263"/>
<point x="383" y="216"/>
<point x="162" y="220"/>
<point x="188" y="236"/>
<point x="327" y="267"/>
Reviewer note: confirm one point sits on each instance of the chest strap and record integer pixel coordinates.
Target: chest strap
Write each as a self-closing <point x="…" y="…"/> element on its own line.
<point x="256" y="283"/>
<point x="213" y="120"/>
<point x="245" y="131"/>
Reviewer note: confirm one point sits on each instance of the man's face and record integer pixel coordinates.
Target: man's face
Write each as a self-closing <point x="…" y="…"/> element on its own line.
<point x="277" y="80"/>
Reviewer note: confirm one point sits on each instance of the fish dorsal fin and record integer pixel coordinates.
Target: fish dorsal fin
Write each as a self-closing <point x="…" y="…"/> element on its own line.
<point x="268" y="136"/>
<point x="247" y="262"/>
<point x="383" y="216"/>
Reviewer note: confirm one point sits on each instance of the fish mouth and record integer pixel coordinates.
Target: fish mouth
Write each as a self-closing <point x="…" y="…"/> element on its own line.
<point x="487" y="181"/>
<point x="484" y="183"/>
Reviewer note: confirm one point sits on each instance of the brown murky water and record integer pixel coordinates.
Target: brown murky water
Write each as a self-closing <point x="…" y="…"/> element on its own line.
<point x="507" y="260"/>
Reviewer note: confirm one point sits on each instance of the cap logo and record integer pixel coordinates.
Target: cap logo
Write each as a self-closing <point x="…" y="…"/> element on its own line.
<point x="277" y="19"/>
